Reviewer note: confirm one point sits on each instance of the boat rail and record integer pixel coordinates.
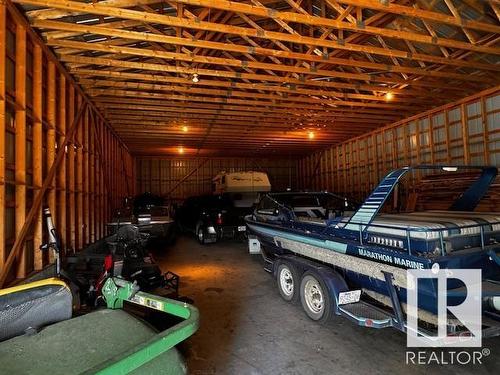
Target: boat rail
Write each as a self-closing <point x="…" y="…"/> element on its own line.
<point x="364" y="229"/>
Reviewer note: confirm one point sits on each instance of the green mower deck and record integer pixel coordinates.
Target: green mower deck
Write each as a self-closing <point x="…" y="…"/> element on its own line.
<point x="108" y="341"/>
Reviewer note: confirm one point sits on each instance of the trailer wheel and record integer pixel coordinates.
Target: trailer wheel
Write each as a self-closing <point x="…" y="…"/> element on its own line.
<point x="288" y="281"/>
<point x="201" y="236"/>
<point x="315" y="297"/>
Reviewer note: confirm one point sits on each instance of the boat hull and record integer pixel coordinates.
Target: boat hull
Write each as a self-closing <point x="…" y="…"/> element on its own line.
<point x="363" y="266"/>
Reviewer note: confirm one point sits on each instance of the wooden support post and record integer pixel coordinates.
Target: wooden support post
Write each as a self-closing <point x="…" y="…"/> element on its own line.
<point x="360" y="183"/>
<point x="51" y="139"/>
<point x="20" y="172"/>
<point x="417" y="143"/>
<point x="79" y="223"/>
<point x="93" y="181"/>
<point x="70" y="183"/>
<point x="431" y="140"/>
<point x="86" y="180"/>
<point x="447" y="135"/>
<point x="375" y="158"/>
<point x="37" y="202"/>
<point x="37" y="150"/>
<point x="406" y="139"/>
<point x="61" y="175"/>
<point x="465" y="134"/>
<point x="3" y="31"/>
<point x="100" y="135"/>
<point x="486" y="132"/>
<point x="394" y="151"/>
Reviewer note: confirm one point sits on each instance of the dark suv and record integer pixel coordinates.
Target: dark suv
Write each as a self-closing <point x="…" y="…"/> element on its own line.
<point x="212" y="217"/>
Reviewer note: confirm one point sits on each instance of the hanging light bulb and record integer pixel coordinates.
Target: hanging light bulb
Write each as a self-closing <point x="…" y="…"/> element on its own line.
<point x="185" y="129"/>
<point x="389" y="96"/>
<point x="311" y="135"/>
<point x="196" y="79"/>
<point x="181" y="150"/>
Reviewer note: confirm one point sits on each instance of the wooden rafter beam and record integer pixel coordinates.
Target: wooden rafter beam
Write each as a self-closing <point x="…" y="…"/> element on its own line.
<point x="402" y="10"/>
<point x="174" y="118"/>
<point x="238" y="89"/>
<point x="257" y="65"/>
<point x="158" y="127"/>
<point x="202" y="25"/>
<point x="360" y="114"/>
<point x="456" y="14"/>
<point x="201" y="43"/>
<point x="244" y="63"/>
<point x="281" y="103"/>
<point x="222" y="73"/>
<point x="322" y="21"/>
<point x="305" y="111"/>
<point x="56" y="13"/>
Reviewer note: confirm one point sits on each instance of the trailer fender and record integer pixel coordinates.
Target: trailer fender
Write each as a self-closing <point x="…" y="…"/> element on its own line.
<point x="334" y="282"/>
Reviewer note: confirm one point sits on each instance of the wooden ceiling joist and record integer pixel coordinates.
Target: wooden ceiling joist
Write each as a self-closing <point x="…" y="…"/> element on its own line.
<point x="250" y="32"/>
<point x="231" y="6"/>
<point x="267" y="70"/>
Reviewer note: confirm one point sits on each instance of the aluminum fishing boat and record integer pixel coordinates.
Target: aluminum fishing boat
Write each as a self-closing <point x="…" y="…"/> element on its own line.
<point x="338" y="260"/>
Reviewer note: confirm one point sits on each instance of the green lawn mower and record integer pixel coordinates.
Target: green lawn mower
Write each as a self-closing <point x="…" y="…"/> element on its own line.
<point x="41" y="332"/>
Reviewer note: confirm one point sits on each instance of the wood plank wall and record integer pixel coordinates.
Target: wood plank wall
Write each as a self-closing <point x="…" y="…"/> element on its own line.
<point x="180" y="177"/>
<point x="463" y="132"/>
<point x="38" y="103"/>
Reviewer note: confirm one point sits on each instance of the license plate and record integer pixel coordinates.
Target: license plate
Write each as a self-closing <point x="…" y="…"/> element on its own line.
<point x="242" y="228"/>
<point x="349" y="297"/>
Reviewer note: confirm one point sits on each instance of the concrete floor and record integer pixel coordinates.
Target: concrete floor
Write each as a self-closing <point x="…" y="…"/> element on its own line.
<point x="246" y="328"/>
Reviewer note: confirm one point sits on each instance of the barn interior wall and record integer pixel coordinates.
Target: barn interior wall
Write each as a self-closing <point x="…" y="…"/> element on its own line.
<point x="42" y="112"/>
<point x="463" y="132"/>
<point x="179" y="178"/>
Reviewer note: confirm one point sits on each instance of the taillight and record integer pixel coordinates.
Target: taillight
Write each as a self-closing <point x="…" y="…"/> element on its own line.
<point x="108" y="263"/>
<point x="219" y="219"/>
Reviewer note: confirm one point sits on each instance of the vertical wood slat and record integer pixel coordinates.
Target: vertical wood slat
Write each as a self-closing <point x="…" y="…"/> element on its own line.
<point x="447" y="135"/>
<point x="92" y="193"/>
<point x="19" y="243"/>
<point x="45" y="114"/>
<point x="431" y="139"/>
<point x="3" y="31"/>
<point x="20" y="172"/>
<point x="79" y="220"/>
<point x="465" y="134"/>
<point x="61" y="175"/>
<point x="86" y="179"/>
<point x="51" y="140"/>
<point x="70" y="183"/>
<point x="486" y="130"/>
<point x="37" y="150"/>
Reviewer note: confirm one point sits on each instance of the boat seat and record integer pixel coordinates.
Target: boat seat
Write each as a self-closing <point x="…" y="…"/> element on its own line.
<point x="33" y="305"/>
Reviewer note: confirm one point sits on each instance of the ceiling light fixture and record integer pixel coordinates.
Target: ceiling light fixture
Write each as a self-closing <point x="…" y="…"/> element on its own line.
<point x="389" y="96"/>
<point x="181" y="150"/>
<point x="311" y="135"/>
<point x="185" y="129"/>
<point x="196" y="79"/>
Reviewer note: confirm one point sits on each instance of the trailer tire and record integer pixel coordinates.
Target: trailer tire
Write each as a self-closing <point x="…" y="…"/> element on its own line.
<point x="287" y="279"/>
<point x="200" y="234"/>
<point x="315" y="297"/>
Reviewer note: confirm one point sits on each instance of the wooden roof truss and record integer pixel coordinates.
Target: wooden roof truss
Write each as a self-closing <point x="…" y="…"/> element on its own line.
<point x="269" y="71"/>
